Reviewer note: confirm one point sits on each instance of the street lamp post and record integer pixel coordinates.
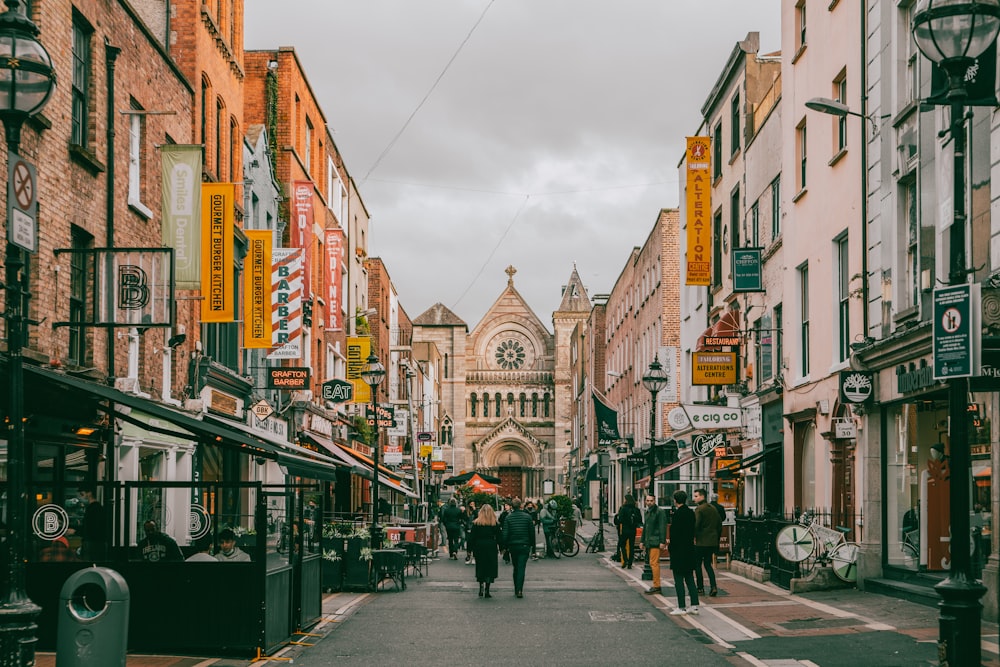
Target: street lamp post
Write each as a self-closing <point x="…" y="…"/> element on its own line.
<point x="26" y="82"/>
<point x="953" y="33"/>
<point x="655" y="380"/>
<point x="373" y="374"/>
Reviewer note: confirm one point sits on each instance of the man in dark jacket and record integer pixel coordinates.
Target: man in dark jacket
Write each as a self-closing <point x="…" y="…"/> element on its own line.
<point x="707" y="531"/>
<point x="451" y="517"/>
<point x="682" y="554"/>
<point x="628" y="519"/>
<point x="158" y="547"/>
<point x="654" y="536"/>
<point x="518" y="539"/>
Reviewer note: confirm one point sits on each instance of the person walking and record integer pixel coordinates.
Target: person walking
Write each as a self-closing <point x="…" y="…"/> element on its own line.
<point x="451" y="517"/>
<point x="628" y="519"/>
<point x="518" y="539"/>
<point x="654" y="536"/>
<point x="707" y="531"/>
<point x="549" y="518"/>
<point x="485" y="537"/>
<point x="471" y="512"/>
<point x="683" y="557"/>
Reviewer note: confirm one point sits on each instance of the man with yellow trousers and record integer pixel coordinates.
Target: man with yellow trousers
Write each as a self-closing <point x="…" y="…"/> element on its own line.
<point x="654" y="537"/>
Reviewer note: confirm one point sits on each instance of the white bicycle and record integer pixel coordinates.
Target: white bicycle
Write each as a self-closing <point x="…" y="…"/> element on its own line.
<point x="809" y="543"/>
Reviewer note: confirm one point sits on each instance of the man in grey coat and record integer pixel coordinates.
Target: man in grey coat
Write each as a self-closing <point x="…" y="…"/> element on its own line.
<point x="654" y="537"/>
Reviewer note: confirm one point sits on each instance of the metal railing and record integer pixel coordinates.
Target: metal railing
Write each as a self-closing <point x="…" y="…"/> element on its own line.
<point x="754" y="540"/>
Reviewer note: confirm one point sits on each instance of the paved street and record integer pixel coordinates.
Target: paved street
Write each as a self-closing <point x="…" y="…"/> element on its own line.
<point x="589" y="611"/>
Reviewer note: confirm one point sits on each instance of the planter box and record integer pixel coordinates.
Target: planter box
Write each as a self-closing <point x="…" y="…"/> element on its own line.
<point x="332" y="571"/>
<point x="357" y="572"/>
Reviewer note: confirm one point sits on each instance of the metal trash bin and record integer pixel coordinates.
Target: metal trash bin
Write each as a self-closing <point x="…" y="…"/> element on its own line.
<point x="93" y="619"/>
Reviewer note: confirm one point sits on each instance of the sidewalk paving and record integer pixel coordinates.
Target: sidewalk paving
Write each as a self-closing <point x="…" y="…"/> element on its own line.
<point x="756" y="624"/>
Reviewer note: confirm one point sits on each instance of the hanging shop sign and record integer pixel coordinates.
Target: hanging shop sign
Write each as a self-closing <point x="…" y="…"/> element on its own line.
<point x="704" y="444"/>
<point x="747" y="273"/>
<point x="856" y="387"/>
<point x="288" y="377"/>
<point x="714" y="368"/>
<point x="337" y="390"/>
<point x="699" y="206"/>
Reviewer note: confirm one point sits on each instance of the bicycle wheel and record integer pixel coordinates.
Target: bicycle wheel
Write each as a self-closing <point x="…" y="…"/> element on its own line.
<point x="569" y="546"/>
<point x="844" y="560"/>
<point x="795" y="543"/>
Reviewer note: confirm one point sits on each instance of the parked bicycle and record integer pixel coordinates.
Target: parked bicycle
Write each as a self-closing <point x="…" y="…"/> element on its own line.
<point x="564" y="540"/>
<point x="809" y="543"/>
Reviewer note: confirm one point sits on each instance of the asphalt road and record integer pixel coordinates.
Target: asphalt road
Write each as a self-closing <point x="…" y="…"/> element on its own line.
<point x="575" y="611"/>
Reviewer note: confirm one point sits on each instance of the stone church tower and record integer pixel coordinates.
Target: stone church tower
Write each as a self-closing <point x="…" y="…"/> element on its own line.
<point x="509" y="389"/>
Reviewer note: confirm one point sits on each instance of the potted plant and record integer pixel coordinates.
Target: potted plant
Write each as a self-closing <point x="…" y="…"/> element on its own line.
<point x="357" y="559"/>
<point x="334" y="548"/>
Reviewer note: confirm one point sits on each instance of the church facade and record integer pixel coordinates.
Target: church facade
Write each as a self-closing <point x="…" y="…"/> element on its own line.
<point x="506" y="388"/>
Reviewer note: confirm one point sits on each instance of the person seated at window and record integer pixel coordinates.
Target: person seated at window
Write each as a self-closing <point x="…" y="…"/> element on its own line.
<point x="56" y="551"/>
<point x="158" y="547"/>
<point x="228" y="551"/>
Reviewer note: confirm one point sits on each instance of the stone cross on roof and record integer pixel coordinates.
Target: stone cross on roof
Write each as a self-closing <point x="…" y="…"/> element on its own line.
<point x="510" y="271"/>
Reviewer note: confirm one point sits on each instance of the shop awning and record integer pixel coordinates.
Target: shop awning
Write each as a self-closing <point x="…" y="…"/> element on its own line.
<point x="751" y="460"/>
<point x="359" y="464"/>
<point x="644" y="481"/>
<point x="725" y="332"/>
<point x="228" y="435"/>
<point x="593" y="473"/>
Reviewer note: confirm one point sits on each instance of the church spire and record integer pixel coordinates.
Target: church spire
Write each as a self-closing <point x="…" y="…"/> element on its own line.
<point x="574" y="296"/>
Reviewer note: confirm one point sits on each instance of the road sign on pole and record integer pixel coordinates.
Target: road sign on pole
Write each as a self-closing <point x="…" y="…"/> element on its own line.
<point x="22" y="203"/>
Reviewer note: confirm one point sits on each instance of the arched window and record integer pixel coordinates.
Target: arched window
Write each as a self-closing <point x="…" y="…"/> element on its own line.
<point x="510" y="400"/>
<point x="473" y="402"/>
<point x="534" y="405"/>
<point x="547" y="405"/>
<point x="498" y="404"/>
<point x="523" y="399"/>
<point x="486" y="405"/>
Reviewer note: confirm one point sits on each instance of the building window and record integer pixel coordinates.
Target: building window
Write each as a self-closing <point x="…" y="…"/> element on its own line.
<point x="765" y="348"/>
<point x="205" y="95"/>
<point x="840" y="88"/>
<point x="800" y="22"/>
<point x="136" y="160"/>
<point x="234" y="142"/>
<point x="734" y="130"/>
<point x="336" y="194"/>
<point x="717" y="249"/>
<point x="755" y="224"/>
<point x="523" y="401"/>
<point x="534" y="405"/>
<point x="775" y="208"/>
<point x="307" y="153"/>
<point x="498" y="404"/>
<point x="804" y="320"/>
<point x="220" y="113"/>
<point x="486" y="405"/>
<point x="909" y="84"/>
<point x="843" y="299"/>
<point x="717" y="152"/>
<point x="221" y="341"/>
<point x="82" y="33"/>
<point x="778" y="331"/>
<point x="78" y="279"/>
<point x="473" y="404"/>
<point x="800" y="151"/>
<point x="546" y="404"/>
<point x="735" y="217"/>
<point x="911" y="268"/>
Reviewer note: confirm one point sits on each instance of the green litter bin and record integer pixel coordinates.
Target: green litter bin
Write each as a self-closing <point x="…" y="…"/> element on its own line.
<point x="93" y="619"/>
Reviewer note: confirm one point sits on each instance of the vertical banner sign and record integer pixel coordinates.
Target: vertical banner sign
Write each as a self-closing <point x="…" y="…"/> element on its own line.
<point x="302" y="228"/>
<point x="257" y="290"/>
<point x="699" y="206"/>
<point x="606" y="419"/>
<point x="180" y="166"/>
<point x="358" y="349"/>
<point x="217" y="252"/>
<point x="957" y="331"/>
<point x="286" y="303"/>
<point x="334" y="279"/>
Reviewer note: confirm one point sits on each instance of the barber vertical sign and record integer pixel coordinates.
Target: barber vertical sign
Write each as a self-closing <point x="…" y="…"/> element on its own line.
<point x="286" y="303"/>
<point x="22" y="203"/>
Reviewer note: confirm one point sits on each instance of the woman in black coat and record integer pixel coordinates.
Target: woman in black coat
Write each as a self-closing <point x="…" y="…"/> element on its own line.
<point x="483" y="540"/>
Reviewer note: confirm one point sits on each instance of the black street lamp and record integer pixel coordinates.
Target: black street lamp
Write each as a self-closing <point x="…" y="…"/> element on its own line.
<point x="655" y="380"/>
<point x="26" y="82"/>
<point x="373" y="374"/>
<point x="952" y="34"/>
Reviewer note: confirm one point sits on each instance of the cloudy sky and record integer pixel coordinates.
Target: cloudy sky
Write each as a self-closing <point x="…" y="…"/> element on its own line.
<point x="488" y="133"/>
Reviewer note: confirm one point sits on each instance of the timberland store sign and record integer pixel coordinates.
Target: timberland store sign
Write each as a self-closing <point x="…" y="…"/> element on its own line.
<point x="914" y="377"/>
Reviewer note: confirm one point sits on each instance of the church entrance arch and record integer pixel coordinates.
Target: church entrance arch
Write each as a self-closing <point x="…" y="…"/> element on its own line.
<point x="511" y="463"/>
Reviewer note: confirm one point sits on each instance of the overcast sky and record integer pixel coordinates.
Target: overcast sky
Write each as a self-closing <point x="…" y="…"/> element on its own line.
<point x="485" y="133"/>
